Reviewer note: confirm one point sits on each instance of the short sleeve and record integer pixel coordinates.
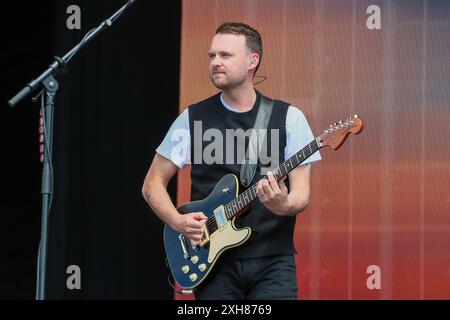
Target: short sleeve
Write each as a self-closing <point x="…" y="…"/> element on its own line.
<point x="298" y="135"/>
<point x="176" y="145"/>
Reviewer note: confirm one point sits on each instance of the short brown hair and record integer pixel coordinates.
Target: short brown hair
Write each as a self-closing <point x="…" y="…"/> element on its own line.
<point x="252" y="37"/>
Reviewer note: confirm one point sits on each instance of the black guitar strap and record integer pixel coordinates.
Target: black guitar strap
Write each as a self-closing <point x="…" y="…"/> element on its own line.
<point x="257" y="140"/>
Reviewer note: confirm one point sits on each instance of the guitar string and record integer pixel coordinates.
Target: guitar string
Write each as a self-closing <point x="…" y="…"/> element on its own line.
<point x="298" y="157"/>
<point x="248" y="193"/>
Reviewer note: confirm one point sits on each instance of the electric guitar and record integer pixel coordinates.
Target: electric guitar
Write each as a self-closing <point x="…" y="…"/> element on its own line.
<point x="191" y="263"/>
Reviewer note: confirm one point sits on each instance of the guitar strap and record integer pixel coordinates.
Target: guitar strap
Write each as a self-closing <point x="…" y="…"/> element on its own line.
<point x="257" y="140"/>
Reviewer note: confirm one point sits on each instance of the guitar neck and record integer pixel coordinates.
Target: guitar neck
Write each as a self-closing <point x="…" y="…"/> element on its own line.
<point x="232" y="208"/>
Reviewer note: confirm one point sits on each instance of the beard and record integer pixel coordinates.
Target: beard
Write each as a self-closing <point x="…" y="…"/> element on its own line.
<point x="223" y="81"/>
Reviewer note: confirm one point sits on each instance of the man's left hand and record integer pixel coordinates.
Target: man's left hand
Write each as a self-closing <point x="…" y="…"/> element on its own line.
<point x="274" y="195"/>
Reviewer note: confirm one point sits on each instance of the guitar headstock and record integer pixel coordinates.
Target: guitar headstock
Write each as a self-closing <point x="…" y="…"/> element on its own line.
<point x="336" y="134"/>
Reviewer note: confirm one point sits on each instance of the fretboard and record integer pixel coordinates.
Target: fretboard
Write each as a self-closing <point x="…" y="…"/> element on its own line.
<point x="232" y="208"/>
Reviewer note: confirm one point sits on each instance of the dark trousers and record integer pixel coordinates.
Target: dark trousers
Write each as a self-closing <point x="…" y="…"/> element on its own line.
<point x="272" y="277"/>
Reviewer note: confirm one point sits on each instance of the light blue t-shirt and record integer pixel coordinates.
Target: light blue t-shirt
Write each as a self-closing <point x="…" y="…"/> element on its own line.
<point x="176" y="145"/>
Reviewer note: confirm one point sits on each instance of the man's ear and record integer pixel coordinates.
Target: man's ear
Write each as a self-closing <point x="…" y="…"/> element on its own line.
<point x="254" y="59"/>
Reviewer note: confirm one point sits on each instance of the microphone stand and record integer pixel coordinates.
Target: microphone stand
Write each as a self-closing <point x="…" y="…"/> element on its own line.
<point x="49" y="87"/>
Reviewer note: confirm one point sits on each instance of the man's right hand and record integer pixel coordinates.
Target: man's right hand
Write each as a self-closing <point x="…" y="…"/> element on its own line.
<point x="192" y="225"/>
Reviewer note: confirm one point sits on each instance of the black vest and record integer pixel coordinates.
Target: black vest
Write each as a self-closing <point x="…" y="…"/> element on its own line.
<point x="272" y="234"/>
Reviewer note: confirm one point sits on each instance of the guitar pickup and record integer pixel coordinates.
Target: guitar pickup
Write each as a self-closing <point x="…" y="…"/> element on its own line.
<point x="221" y="218"/>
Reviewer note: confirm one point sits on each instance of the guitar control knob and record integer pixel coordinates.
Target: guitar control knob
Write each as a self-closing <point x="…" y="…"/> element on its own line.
<point x="202" y="267"/>
<point x="193" y="277"/>
<point x="194" y="259"/>
<point x="185" y="269"/>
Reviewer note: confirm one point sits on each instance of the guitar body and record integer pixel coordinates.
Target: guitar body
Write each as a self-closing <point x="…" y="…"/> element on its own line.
<point x="190" y="264"/>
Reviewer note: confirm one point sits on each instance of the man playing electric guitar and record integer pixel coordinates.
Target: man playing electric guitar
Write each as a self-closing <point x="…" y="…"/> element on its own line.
<point x="264" y="266"/>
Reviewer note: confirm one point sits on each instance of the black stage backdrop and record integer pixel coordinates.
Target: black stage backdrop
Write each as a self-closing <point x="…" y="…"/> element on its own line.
<point x="112" y="110"/>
